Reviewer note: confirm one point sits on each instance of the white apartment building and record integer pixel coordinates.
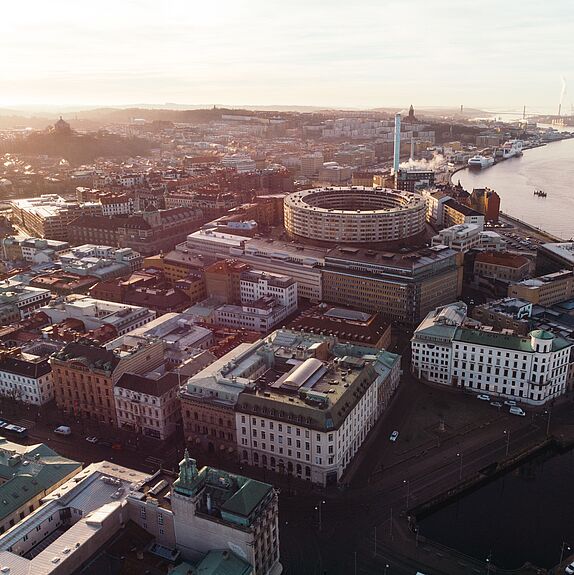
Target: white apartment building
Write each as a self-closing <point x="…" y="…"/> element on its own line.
<point x="240" y="162"/>
<point x="531" y="369"/>
<point x="303" y="263"/>
<point x="257" y="284"/>
<point x="33" y="250"/>
<point x="148" y="404"/>
<point x="104" y="262"/>
<point x="214" y="244"/>
<point x="261" y="315"/>
<point x="25" y="378"/>
<point x="317" y="399"/>
<point x="117" y="205"/>
<point x="95" y="313"/>
<point x="27" y="299"/>
<point x="463" y="237"/>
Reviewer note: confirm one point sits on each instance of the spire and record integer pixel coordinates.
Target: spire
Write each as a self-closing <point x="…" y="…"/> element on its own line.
<point x="187" y="473"/>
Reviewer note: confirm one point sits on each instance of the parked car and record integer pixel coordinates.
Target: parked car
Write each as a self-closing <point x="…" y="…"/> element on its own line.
<point x="104" y="443"/>
<point x="63" y="430"/>
<point x="517" y="411"/>
<point x="570" y="569"/>
<point x="496" y="404"/>
<point x="394" y="435"/>
<point x="483" y="397"/>
<point x="92" y="439"/>
<point x="117" y="446"/>
<point x="510" y="403"/>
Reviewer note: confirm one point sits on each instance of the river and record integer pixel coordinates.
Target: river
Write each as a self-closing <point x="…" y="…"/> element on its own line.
<point x="523" y="516"/>
<point x="549" y="168"/>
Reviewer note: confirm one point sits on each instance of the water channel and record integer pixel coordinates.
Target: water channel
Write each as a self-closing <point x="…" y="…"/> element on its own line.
<point x="525" y="515"/>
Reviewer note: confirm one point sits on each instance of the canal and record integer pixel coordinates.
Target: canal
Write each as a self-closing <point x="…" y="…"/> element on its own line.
<point x="523" y="516"/>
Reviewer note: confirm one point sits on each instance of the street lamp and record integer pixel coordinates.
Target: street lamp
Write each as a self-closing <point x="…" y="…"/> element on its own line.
<point x="386" y="567"/>
<point x="507" y="433"/>
<point x="548" y="412"/>
<point x="318" y="508"/>
<point x="460" y="469"/>
<point x="408" y="484"/>
<point x="564" y="547"/>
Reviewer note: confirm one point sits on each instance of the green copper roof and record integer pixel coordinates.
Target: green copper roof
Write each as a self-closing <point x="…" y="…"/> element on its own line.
<point x="541" y="334"/>
<point x="504" y="341"/>
<point x="247" y="498"/>
<point x="29" y="471"/>
<point x="218" y="562"/>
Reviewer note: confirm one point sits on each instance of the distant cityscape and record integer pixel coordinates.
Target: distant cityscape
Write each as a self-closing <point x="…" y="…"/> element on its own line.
<point x="250" y="343"/>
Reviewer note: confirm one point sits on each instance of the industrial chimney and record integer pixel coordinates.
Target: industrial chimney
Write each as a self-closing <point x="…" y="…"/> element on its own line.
<point x="397" y="144"/>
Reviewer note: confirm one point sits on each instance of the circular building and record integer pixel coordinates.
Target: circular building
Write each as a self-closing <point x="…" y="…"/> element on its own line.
<point x="355" y="215"/>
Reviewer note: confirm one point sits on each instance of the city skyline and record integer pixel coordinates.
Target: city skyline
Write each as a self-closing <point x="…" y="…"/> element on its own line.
<point x="365" y="55"/>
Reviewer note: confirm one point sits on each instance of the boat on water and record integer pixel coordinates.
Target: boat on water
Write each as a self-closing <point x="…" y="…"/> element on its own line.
<point x="511" y="148"/>
<point x="480" y="162"/>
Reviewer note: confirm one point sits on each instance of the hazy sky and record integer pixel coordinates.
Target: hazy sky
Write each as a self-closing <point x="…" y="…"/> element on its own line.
<point x="362" y="53"/>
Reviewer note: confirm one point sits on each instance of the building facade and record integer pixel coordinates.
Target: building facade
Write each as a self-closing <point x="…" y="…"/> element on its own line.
<point x="25" y="378"/>
<point x="148" y="404"/>
<point x="402" y="286"/>
<point x="531" y="369"/>
<point x="84" y="376"/>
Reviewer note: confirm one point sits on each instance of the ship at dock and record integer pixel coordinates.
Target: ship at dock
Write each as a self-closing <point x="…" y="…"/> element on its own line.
<point x="480" y="162"/>
<point x="510" y="149"/>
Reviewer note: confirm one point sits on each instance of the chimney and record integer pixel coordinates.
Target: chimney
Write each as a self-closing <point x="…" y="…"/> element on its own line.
<point x="397" y="144"/>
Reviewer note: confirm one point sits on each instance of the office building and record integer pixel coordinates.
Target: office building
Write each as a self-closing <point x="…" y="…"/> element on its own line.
<point x="309" y="402"/>
<point x="455" y="213"/>
<point x="503" y="266"/>
<point x="49" y="215"/>
<point x="554" y="257"/>
<point x="403" y="286"/>
<point x="463" y="237"/>
<point x="531" y="369"/>
<point x="545" y="290"/>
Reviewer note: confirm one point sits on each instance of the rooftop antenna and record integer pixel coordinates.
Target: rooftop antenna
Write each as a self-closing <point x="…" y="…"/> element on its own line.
<point x="524" y="112"/>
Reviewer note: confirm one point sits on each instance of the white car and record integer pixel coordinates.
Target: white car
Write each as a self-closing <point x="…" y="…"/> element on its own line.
<point x="510" y="403"/>
<point x="517" y="411"/>
<point x="394" y="435"/>
<point x="483" y="397"/>
<point x="570" y="569"/>
<point x="92" y="439"/>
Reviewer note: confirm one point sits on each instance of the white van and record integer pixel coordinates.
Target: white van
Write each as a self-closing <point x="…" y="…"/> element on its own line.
<point x="517" y="411"/>
<point x="63" y="430"/>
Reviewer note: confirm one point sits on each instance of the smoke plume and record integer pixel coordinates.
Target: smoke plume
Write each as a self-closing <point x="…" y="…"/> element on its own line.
<point x="433" y="164"/>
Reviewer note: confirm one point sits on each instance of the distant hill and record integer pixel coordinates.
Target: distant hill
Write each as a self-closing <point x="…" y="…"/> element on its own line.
<point x="80" y="148"/>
